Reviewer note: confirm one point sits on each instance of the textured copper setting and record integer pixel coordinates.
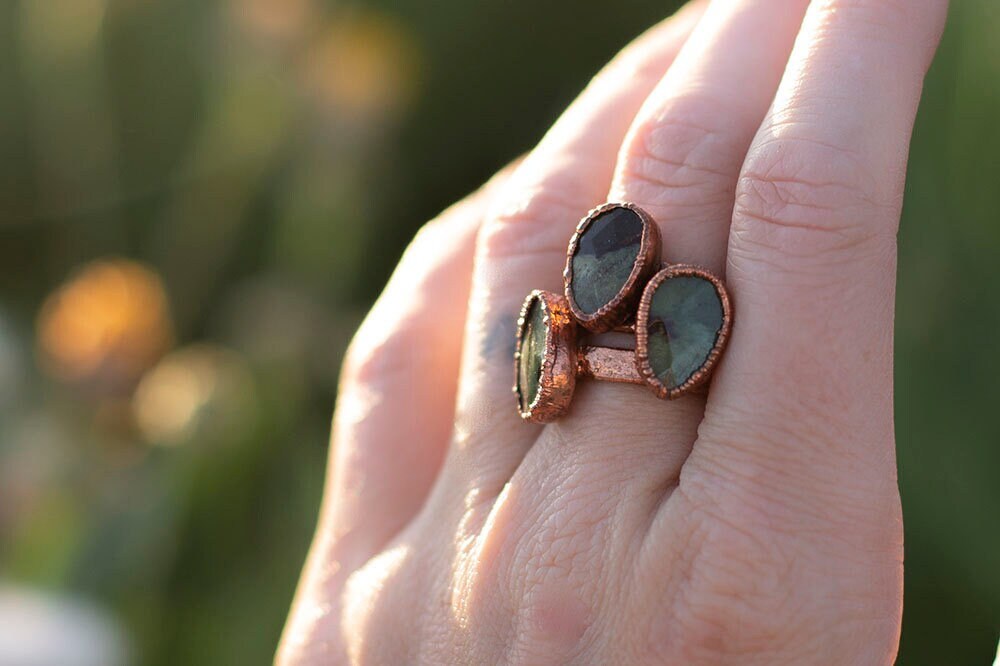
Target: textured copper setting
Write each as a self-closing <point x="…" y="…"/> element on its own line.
<point x="563" y="362"/>
<point x="559" y="366"/>
<point x="609" y="365"/>
<point x="621" y="309"/>
<point x="701" y="376"/>
<point x="564" y="356"/>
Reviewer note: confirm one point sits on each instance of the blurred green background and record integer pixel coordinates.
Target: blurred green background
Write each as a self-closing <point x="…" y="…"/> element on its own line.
<point x="199" y="199"/>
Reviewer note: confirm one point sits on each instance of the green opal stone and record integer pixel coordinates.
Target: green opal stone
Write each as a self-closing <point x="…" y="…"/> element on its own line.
<point x="532" y="352"/>
<point x="605" y="255"/>
<point x="685" y="317"/>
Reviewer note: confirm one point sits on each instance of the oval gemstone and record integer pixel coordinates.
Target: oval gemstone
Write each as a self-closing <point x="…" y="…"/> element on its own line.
<point x="531" y="353"/>
<point x="605" y="253"/>
<point x="685" y="317"/>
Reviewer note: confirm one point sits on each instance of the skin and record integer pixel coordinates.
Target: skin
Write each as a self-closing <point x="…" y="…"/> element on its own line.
<point x="759" y="524"/>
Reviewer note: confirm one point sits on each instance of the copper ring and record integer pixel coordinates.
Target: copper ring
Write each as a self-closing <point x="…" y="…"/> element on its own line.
<point x="548" y="361"/>
<point x="563" y="361"/>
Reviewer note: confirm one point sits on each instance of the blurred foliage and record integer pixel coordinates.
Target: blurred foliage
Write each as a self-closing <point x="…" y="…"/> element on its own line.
<point x="200" y="198"/>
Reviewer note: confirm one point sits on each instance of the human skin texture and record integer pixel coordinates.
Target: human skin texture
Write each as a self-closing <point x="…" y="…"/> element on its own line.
<point x="759" y="523"/>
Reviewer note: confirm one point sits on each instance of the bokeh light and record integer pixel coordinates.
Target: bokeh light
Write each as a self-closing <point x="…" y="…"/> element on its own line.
<point x="105" y="326"/>
<point x="201" y="393"/>
<point x="363" y="67"/>
<point x="274" y="20"/>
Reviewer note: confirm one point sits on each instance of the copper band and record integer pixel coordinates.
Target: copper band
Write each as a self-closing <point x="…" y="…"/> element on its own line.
<point x="610" y="365"/>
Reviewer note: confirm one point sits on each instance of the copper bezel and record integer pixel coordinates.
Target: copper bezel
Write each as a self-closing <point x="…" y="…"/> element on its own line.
<point x="702" y="374"/>
<point x="620" y="309"/>
<point x="559" y="364"/>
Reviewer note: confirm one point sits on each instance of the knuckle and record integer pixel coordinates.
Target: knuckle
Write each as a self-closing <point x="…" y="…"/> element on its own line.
<point x="516" y="582"/>
<point x="760" y="458"/>
<point x="728" y="590"/>
<point x="532" y="222"/>
<point x="738" y="574"/>
<point x="674" y="159"/>
<point x="804" y="199"/>
<point x="380" y="355"/>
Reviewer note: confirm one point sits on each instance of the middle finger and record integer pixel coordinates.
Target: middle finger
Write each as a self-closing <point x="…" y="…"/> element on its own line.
<point x="680" y="162"/>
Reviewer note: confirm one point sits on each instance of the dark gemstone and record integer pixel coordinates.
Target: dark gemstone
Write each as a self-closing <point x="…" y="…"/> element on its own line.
<point x="532" y="353"/>
<point x="685" y="317"/>
<point x="605" y="255"/>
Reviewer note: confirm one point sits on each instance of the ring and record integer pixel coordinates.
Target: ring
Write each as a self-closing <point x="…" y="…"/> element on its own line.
<point x="681" y="316"/>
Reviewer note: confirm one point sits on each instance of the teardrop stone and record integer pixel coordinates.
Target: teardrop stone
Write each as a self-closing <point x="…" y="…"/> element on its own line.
<point x="532" y="353"/>
<point x="685" y="317"/>
<point x="605" y="254"/>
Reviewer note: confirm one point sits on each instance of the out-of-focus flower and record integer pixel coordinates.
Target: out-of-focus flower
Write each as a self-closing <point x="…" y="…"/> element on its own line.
<point x="200" y="392"/>
<point x="37" y="629"/>
<point x="273" y="20"/>
<point x="105" y="326"/>
<point x="365" y="66"/>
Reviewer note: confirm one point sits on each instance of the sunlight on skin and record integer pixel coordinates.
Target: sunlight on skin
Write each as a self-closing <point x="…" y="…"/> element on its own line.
<point x="539" y="553"/>
<point x="362" y="597"/>
<point x="476" y="552"/>
<point x="356" y="406"/>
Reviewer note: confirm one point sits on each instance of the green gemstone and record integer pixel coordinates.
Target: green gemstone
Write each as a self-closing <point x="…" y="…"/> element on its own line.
<point x="685" y="317"/>
<point x="531" y="354"/>
<point x="605" y="255"/>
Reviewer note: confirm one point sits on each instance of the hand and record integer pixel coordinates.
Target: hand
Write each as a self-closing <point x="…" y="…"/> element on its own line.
<point x="759" y="525"/>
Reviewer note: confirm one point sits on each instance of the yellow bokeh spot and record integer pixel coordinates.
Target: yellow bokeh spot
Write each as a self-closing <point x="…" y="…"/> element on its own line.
<point x="277" y="20"/>
<point x="364" y="64"/>
<point x="106" y="325"/>
<point x="199" y="391"/>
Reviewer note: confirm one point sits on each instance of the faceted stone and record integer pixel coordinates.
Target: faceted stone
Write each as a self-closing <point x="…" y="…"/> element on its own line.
<point x="532" y="352"/>
<point x="685" y="317"/>
<point x="605" y="255"/>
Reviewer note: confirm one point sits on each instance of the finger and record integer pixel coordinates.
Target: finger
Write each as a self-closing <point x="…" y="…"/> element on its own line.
<point x="388" y="439"/>
<point x="683" y="153"/>
<point x="794" y="466"/>
<point x="523" y="244"/>
<point x="812" y="248"/>
<point x="592" y="481"/>
<point x="680" y="162"/>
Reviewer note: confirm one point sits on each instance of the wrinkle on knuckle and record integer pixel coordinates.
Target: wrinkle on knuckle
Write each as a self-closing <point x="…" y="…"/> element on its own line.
<point x="519" y="577"/>
<point x="384" y="592"/>
<point x="728" y="589"/>
<point x="804" y="199"/>
<point x="674" y="160"/>
<point x="379" y="358"/>
<point x="535" y="222"/>
<point x="736" y="583"/>
<point x="779" y="478"/>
